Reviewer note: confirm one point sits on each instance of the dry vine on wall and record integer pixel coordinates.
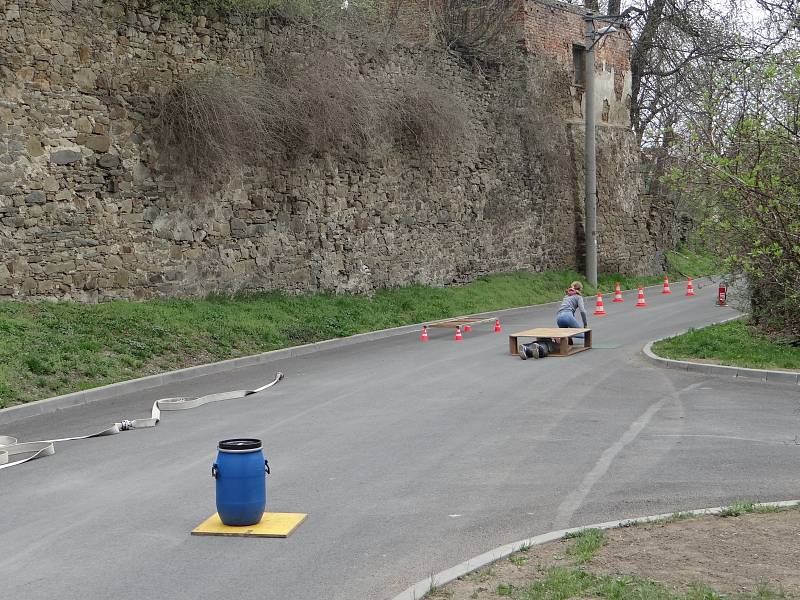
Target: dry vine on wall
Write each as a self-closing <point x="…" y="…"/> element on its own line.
<point x="219" y="122"/>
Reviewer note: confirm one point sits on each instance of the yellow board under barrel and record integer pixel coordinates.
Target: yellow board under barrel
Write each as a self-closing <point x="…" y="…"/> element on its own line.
<point x="271" y="525"/>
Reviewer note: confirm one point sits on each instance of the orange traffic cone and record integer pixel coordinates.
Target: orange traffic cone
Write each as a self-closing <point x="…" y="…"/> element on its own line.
<point x="599" y="311"/>
<point x="459" y="337"/>
<point x="467" y="328"/>
<point x="424" y="336"/>
<point x="497" y="328"/>
<point x="618" y="294"/>
<point x="640" y="303"/>
<point x="689" y="287"/>
<point x="666" y="289"/>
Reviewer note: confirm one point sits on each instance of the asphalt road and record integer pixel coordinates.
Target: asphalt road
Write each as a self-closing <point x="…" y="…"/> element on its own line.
<point x="409" y="458"/>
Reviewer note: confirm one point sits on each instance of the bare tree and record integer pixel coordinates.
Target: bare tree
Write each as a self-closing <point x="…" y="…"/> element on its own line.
<point x="677" y="41"/>
<point x="484" y="30"/>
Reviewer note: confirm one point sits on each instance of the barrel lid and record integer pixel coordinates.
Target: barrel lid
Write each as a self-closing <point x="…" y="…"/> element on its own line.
<point x="240" y="444"/>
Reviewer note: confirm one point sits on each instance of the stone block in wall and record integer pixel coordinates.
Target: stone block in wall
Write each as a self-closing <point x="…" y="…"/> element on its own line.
<point x="113" y="262"/>
<point x="63" y="267"/>
<point x="85" y="79"/>
<point x="98" y="143"/>
<point x="65" y="157"/>
<point x="238" y="228"/>
<point x="36" y="197"/>
<point x="84" y="125"/>
<point x="108" y="161"/>
<point x="34" y="147"/>
<point x="122" y="278"/>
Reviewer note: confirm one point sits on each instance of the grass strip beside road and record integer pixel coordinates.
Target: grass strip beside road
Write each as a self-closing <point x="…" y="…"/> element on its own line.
<point x="734" y="344"/>
<point x="52" y="348"/>
<point x="562" y="582"/>
<point x="587" y="543"/>
<point x="744" y="553"/>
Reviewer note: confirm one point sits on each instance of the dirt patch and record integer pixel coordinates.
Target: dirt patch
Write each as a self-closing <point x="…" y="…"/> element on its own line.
<point x="732" y="555"/>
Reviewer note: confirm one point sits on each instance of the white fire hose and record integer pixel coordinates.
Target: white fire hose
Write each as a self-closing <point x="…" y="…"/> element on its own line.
<point x="9" y="446"/>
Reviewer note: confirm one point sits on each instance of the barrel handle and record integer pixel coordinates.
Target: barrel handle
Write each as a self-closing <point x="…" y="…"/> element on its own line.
<point x="215" y="471"/>
<point x="266" y="466"/>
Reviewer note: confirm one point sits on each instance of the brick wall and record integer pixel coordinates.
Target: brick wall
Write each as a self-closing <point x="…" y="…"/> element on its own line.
<point x="552" y="28"/>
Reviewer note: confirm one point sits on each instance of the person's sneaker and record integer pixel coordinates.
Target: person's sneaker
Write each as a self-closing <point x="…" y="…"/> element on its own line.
<point x="522" y="350"/>
<point x="535" y="352"/>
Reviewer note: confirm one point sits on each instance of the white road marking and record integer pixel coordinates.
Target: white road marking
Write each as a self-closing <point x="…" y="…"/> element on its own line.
<point x="723" y="437"/>
<point x="574" y="500"/>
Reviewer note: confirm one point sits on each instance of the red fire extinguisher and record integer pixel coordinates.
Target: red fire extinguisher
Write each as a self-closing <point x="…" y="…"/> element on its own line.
<point x="723" y="294"/>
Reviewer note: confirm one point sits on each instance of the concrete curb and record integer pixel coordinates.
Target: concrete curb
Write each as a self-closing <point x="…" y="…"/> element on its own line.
<point x="106" y="392"/>
<point x="419" y="589"/>
<point x="763" y="375"/>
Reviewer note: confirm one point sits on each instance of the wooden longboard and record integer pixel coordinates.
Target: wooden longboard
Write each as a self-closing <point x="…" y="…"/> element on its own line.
<point x="460" y="322"/>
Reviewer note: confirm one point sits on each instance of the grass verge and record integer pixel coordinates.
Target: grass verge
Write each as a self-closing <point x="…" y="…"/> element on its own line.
<point x="743" y="507"/>
<point x="587" y="543"/>
<point x="734" y="344"/>
<point x="561" y="583"/>
<point x="49" y="348"/>
<point x="539" y="574"/>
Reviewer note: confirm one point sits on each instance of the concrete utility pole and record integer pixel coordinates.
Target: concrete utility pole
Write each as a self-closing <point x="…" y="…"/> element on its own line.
<point x="590" y="166"/>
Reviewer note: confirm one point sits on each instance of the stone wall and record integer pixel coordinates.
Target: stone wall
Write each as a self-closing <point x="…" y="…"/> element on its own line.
<point x="88" y="211"/>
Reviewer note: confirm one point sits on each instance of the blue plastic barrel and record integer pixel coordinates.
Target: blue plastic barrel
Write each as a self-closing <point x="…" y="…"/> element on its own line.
<point x="240" y="472"/>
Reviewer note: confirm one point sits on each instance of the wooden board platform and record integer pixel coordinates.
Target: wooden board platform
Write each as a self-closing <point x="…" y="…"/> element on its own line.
<point x="559" y="333"/>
